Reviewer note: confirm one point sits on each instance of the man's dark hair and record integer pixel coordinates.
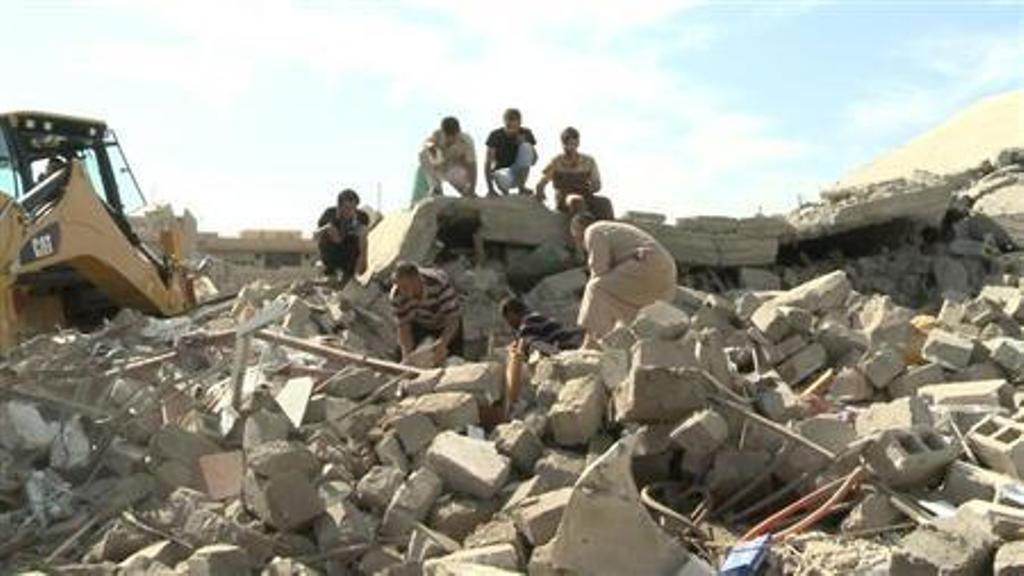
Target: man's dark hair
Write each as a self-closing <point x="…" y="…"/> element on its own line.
<point x="570" y="133"/>
<point x="348" y="195"/>
<point x="450" y="125"/>
<point x="513" y="305"/>
<point x="513" y="114"/>
<point x="405" y="269"/>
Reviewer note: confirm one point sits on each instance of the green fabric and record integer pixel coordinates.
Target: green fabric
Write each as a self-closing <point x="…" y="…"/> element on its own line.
<point x="420" y="187"/>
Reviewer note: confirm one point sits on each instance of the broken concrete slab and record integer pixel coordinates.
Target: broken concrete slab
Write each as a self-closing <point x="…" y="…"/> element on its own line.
<point x="538" y="518"/>
<point x="447" y="410"/>
<point x="901" y="413"/>
<point x="287" y="501"/>
<point x="660" y="320"/>
<point x="222" y="474"/>
<point x="803" y="364"/>
<point x="702" y="433"/>
<point x="279" y="457"/>
<point x="415" y="430"/>
<point x="882" y="366"/>
<point x="468" y="465"/>
<point x="484" y="380"/>
<point x="474" y="561"/>
<point x="378" y="486"/>
<point x="947" y="349"/>
<point x="219" y="560"/>
<point x="517" y="441"/>
<point x="657" y="394"/>
<point x="294" y="398"/>
<point x="915" y="377"/>
<point x="412" y="502"/>
<point x="994" y="393"/>
<point x="578" y="413"/>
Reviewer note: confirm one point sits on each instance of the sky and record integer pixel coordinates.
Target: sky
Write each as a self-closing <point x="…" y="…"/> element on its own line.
<point x="255" y="114"/>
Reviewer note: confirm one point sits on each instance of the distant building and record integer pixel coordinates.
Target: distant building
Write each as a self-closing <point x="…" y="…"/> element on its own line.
<point x="264" y="249"/>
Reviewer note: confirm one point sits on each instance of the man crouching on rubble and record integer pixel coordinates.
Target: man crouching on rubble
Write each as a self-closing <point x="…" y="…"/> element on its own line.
<point x="425" y="304"/>
<point x="341" y="237"/>
<point x="533" y="331"/>
<point x="629" y="269"/>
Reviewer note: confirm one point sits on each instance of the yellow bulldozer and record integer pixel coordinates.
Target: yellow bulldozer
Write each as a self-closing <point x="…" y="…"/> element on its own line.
<point x="68" y="253"/>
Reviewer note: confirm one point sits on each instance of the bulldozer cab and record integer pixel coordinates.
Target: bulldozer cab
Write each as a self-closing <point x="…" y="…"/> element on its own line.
<point x="68" y="253"/>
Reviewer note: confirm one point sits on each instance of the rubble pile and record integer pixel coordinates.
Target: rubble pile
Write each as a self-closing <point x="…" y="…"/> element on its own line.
<point x="813" y="415"/>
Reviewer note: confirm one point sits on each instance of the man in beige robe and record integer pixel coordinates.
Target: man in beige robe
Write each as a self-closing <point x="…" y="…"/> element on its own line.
<point x="629" y="269"/>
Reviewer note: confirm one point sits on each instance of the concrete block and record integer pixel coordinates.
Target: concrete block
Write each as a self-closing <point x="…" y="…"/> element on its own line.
<point x="826" y="430"/>
<point x="947" y="349"/>
<point x="389" y="452"/>
<point x="930" y="550"/>
<point x="458" y="516"/>
<point x="219" y="560"/>
<point x="558" y="469"/>
<point x="901" y="413"/>
<point x="1009" y="560"/>
<point x="378" y="486"/>
<point x="998" y="442"/>
<point x="504" y="556"/>
<point x="770" y="321"/>
<point x="664" y="353"/>
<point x="914" y="378"/>
<point x="538" y="518"/>
<point x="733" y="469"/>
<point x="484" y="380"/>
<point x="447" y="410"/>
<point x="911" y="457"/>
<point x="994" y="393"/>
<point x="701" y="433"/>
<point x="263" y="427"/>
<point x="355" y="382"/>
<point x="849" y="385"/>
<point x="412" y="502"/>
<point x="821" y="293"/>
<point x="415" y="431"/>
<point x="660" y="320"/>
<point x="286" y="501"/>
<point x="778" y="352"/>
<point x="517" y="441"/>
<point x="999" y="520"/>
<point x="425" y="383"/>
<point x="1008" y="353"/>
<point x="882" y="366"/>
<point x="873" y="511"/>
<point x="778" y="402"/>
<point x="280" y="457"/>
<point x="965" y="482"/>
<point x="344" y="524"/>
<point x="655" y="394"/>
<point x="467" y="465"/>
<point x="425" y="544"/>
<point x="221" y="474"/>
<point x="578" y="413"/>
<point x="803" y="364"/>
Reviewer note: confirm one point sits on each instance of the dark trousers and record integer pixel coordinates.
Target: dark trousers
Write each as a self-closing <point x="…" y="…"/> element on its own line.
<point x="339" y="256"/>
<point x="599" y="206"/>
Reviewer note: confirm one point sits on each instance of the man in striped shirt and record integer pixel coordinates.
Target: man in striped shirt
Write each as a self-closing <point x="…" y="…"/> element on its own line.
<point x="425" y="304"/>
<point x="533" y="331"/>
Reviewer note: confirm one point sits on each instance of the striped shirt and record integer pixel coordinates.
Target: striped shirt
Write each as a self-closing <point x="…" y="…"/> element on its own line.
<point x="538" y="329"/>
<point x="438" y="302"/>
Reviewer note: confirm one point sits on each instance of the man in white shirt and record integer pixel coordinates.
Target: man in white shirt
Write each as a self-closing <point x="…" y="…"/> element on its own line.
<point x="448" y="156"/>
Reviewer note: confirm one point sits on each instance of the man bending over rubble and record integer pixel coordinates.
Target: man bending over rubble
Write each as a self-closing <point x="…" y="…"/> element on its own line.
<point x="575" y="174"/>
<point x="510" y="153"/>
<point x="629" y="269"/>
<point x="448" y="156"/>
<point x="533" y="331"/>
<point x="341" y="237"/>
<point x="425" y="304"/>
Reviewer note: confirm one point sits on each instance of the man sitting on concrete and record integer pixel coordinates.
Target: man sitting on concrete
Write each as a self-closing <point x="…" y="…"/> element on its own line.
<point x="533" y="331"/>
<point x="448" y="156"/>
<point x="510" y="153"/>
<point x="575" y="174"/>
<point x="341" y="237"/>
<point x="426" y="305"/>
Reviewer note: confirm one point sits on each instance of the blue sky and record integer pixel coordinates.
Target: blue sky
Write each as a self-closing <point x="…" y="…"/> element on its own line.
<point x="253" y="115"/>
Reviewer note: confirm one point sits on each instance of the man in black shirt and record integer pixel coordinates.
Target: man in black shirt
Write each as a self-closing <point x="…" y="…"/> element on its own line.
<point x="341" y="237"/>
<point x="510" y="153"/>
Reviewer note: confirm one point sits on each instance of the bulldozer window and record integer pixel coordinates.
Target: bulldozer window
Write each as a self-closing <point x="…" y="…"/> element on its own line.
<point x="131" y="196"/>
<point x="9" y="183"/>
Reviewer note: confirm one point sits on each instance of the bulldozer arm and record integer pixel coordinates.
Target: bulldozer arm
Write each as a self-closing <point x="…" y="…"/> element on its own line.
<point x="51" y="247"/>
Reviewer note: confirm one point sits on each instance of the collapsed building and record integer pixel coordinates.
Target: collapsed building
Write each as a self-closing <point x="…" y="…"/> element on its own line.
<point x="831" y="391"/>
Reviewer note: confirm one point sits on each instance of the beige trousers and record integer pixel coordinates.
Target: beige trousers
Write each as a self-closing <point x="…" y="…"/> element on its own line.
<point x="619" y="294"/>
